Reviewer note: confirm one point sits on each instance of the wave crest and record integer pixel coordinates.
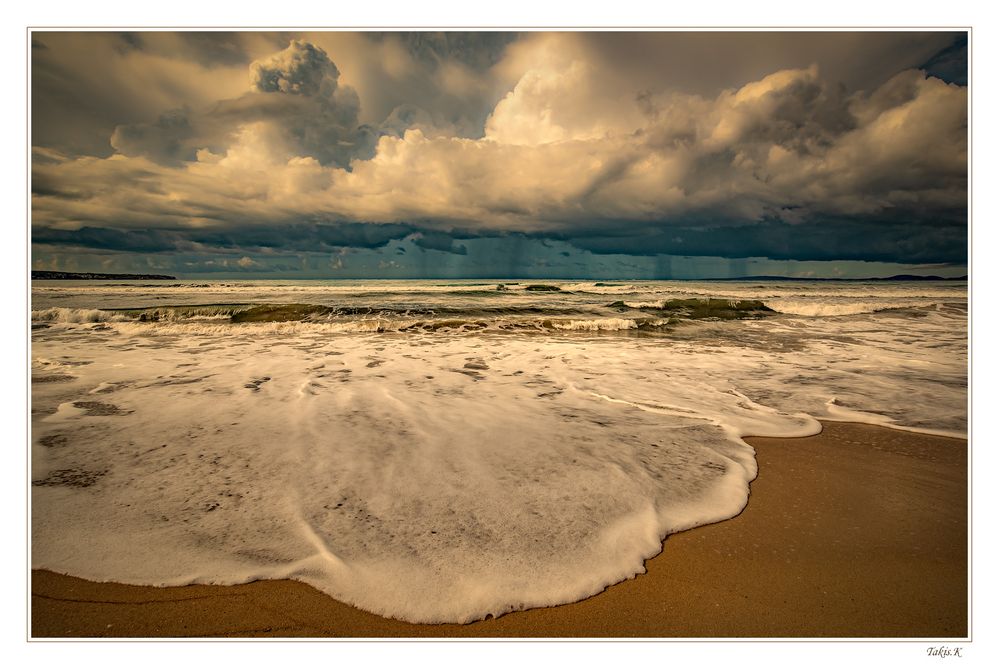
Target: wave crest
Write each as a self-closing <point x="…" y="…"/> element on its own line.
<point x="814" y="308"/>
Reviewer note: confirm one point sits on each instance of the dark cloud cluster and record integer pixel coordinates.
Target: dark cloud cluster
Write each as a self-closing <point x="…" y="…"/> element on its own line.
<point x="294" y="93"/>
<point x="439" y="241"/>
<point x="286" y="238"/>
<point x="895" y="238"/>
<point x="951" y="63"/>
<point x="301" y="69"/>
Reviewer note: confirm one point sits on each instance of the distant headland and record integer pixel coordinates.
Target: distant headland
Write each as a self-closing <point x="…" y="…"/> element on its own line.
<point x="37" y="275"/>
<point x="897" y="277"/>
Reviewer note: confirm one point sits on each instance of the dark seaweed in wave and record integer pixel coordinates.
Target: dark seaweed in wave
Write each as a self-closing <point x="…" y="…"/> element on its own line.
<point x="587" y="319"/>
<point x="167" y="312"/>
<point x="278" y="313"/>
<point x="459" y="285"/>
<point x="701" y="308"/>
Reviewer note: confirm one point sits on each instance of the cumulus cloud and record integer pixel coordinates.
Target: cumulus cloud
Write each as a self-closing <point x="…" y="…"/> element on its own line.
<point x="301" y="69"/>
<point x="789" y="164"/>
<point x="294" y="96"/>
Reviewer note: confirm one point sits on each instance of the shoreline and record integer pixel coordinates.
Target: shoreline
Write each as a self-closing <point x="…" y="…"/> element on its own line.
<point x="859" y="531"/>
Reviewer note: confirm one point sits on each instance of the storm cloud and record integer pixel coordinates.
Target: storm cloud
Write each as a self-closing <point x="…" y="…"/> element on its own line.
<point x="294" y="97"/>
<point x="597" y="140"/>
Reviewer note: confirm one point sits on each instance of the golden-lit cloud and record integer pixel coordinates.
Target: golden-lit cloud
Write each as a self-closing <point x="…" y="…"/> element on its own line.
<point x="569" y="148"/>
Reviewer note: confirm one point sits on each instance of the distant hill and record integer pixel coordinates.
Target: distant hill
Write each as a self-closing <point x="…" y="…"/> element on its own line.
<point x="92" y="276"/>
<point x="910" y="277"/>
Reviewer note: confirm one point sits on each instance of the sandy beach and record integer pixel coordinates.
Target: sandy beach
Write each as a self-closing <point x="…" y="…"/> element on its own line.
<point x="857" y="532"/>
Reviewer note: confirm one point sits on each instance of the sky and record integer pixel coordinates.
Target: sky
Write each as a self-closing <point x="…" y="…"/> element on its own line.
<point x="537" y="154"/>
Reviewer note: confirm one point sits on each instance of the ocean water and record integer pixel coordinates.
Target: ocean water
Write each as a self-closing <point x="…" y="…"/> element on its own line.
<point x="442" y="451"/>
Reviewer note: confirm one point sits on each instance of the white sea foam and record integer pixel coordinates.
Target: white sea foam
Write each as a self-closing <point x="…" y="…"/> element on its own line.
<point x="427" y="499"/>
<point x="599" y="288"/>
<point x="439" y="478"/>
<point x="843" y="307"/>
<point x="835" y="412"/>
<point x="221" y="326"/>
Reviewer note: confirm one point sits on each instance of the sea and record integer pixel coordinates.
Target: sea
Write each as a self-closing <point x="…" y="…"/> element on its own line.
<point x="446" y="451"/>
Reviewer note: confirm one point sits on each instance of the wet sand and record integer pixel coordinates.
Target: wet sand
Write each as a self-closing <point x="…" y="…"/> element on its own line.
<point x="860" y="531"/>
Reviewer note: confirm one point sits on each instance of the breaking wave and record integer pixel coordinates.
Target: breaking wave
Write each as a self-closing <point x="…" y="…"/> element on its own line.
<point x="445" y="478"/>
